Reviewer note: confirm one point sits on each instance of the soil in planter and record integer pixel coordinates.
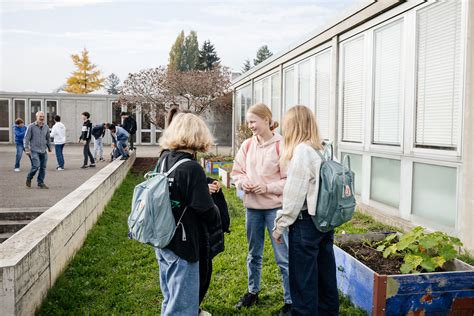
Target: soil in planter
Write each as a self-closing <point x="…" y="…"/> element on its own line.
<point x="373" y="258"/>
<point x="143" y="165"/>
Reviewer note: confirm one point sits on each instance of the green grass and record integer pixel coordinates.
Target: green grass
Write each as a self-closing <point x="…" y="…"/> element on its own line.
<point x="114" y="275"/>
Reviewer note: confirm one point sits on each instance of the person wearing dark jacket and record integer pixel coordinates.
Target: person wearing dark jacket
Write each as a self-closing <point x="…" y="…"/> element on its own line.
<point x="200" y="225"/>
<point x="130" y="125"/>
<point x="86" y="138"/>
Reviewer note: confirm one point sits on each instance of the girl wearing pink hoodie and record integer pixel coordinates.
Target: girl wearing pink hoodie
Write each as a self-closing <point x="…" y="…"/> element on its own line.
<point x="259" y="173"/>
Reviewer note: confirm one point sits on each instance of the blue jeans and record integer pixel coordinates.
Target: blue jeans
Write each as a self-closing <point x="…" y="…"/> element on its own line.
<point x="121" y="145"/>
<point x="256" y="221"/>
<point x="179" y="282"/>
<point x="98" y="148"/>
<point x="59" y="155"/>
<point x="312" y="269"/>
<point x="38" y="161"/>
<point x="19" y="153"/>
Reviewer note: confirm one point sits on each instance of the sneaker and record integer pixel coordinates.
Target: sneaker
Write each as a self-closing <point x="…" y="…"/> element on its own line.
<point x="92" y="165"/>
<point x="84" y="166"/>
<point x="204" y="313"/>
<point x="101" y="159"/>
<point x="43" y="186"/>
<point x="28" y="183"/>
<point x="16" y="169"/>
<point x="247" y="300"/>
<point x="124" y="158"/>
<point x="285" y="310"/>
<point x="60" y="169"/>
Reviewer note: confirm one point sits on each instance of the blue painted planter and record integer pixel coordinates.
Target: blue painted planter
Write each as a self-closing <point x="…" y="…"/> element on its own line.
<point x="438" y="293"/>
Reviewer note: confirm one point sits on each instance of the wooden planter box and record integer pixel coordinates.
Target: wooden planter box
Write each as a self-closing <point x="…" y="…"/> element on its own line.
<point x="437" y="293"/>
<point x="213" y="166"/>
<point x="224" y="174"/>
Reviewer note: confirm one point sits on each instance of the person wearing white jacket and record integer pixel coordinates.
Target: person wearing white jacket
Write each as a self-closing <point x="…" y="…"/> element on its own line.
<point x="58" y="132"/>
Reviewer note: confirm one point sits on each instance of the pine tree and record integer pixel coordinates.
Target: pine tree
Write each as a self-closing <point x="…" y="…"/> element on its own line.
<point x="86" y="78"/>
<point x="208" y="56"/>
<point x="191" y="52"/>
<point x="246" y="66"/>
<point x="112" y="84"/>
<point x="262" y="54"/>
<point x="176" y="54"/>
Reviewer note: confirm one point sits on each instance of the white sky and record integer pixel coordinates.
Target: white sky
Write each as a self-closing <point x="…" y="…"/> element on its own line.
<point x="123" y="36"/>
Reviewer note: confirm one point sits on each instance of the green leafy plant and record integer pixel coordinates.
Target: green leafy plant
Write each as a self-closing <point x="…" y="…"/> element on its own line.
<point x="420" y="251"/>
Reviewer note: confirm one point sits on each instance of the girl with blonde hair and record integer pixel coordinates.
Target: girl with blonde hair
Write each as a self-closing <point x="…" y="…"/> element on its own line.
<point x="259" y="172"/>
<point x="311" y="256"/>
<point x="192" y="203"/>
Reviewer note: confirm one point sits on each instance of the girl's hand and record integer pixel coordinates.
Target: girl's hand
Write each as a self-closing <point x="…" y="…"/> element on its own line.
<point x="214" y="187"/>
<point x="247" y="187"/>
<point x="260" y="189"/>
<point x="277" y="236"/>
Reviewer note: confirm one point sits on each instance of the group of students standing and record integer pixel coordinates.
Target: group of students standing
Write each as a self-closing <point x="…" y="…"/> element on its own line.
<point x="279" y="176"/>
<point x="35" y="142"/>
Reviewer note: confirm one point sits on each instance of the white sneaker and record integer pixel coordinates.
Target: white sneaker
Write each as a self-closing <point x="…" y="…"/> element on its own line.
<point x="16" y="169"/>
<point x="60" y="169"/>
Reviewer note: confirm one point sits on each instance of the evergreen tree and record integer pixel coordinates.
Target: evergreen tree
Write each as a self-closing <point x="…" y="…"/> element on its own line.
<point x="208" y="56"/>
<point x="176" y="54"/>
<point x="191" y="52"/>
<point x="112" y="84"/>
<point x="246" y="66"/>
<point x="86" y="78"/>
<point x="262" y="54"/>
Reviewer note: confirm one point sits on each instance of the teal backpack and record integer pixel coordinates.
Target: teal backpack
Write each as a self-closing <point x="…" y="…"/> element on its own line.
<point x="151" y="220"/>
<point x="336" y="201"/>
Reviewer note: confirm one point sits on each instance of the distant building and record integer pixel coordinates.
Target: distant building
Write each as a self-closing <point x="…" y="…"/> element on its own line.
<point x="391" y="84"/>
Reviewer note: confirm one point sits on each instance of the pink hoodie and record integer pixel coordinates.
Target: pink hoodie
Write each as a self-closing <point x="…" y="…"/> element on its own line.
<point x="260" y="163"/>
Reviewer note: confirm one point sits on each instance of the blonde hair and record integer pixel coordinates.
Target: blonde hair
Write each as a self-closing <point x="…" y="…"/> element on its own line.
<point x="262" y="111"/>
<point x="187" y="131"/>
<point x="299" y="126"/>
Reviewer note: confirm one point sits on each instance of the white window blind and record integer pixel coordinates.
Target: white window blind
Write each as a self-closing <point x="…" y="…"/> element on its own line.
<point x="289" y="88"/>
<point x="303" y="83"/>
<point x="257" y="92"/>
<point x="323" y="71"/>
<point x="353" y="90"/>
<point x="275" y="104"/>
<point x="266" y="91"/>
<point x="438" y="75"/>
<point x="387" y="84"/>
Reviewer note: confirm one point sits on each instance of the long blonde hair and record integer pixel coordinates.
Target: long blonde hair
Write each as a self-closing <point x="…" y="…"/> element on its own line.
<point x="262" y="111"/>
<point x="187" y="131"/>
<point x="299" y="126"/>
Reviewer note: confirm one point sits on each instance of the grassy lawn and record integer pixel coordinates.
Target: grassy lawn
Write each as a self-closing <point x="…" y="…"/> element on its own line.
<point x="114" y="275"/>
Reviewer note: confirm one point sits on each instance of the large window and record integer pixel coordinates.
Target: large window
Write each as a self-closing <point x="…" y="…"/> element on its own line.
<point x="352" y="90"/>
<point x="266" y="91"/>
<point x="4" y="118"/>
<point x="323" y="71"/>
<point x="387" y="84"/>
<point x="20" y="109"/>
<point x="438" y="97"/>
<point x="304" y="83"/>
<point x="385" y="181"/>
<point x="289" y="76"/>
<point x="434" y="193"/>
<point x="275" y="98"/>
<point x="257" y="89"/>
<point x="52" y="110"/>
<point x="35" y="106"/>
<point x="245" y="101"/>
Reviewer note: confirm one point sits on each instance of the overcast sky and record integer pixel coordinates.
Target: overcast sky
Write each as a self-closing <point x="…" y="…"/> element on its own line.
<point x="37" y="37"/>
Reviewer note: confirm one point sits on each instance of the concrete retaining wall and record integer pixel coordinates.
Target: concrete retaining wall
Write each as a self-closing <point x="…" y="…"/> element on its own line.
<point x="33" y="258"/>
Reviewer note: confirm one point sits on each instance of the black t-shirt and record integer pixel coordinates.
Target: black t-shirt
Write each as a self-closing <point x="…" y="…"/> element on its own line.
<point x="188" y="187"/>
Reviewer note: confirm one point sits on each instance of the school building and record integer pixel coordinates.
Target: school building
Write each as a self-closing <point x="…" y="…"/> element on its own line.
<point x="103" y="108"/>
<point x="391" y="85"/>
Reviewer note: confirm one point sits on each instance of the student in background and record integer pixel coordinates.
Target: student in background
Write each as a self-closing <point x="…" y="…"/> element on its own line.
<point x="85" y="137"/>
<point x="19" y="130"/>
<point x="98" y="131"/>
<point x="130" y="125"/>
<point x="311" y="257"/>
<point x="259" y="172"/>
<point x="120" y="139"/>
<point x="58" y="132"/>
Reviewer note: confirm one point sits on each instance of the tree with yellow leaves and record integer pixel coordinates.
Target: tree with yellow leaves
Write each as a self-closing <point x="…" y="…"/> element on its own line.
<point x="86" y="78"/>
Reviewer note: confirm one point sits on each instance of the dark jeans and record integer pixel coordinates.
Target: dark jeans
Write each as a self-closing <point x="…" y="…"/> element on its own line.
<point x="130" y="139"/>
<point x="59" y="155"/>
<point x="205" y="274"/>
<point x="87" y="153"/>
<point x="19" y="153"/>
<point x="38" y="161"/>
<point x="312" y="265"/>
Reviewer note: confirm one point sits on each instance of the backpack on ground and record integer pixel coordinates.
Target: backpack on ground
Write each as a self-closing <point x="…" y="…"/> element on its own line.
<point x="336" y="201"/>
<point x="151" y="220"/>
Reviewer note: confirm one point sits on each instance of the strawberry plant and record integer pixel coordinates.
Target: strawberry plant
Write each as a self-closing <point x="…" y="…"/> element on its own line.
<point x="421" y="252"/>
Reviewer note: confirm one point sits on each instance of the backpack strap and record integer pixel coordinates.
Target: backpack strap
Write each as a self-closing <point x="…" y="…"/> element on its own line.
<point x="320" y="155"/>
<point x="176" y="165"/>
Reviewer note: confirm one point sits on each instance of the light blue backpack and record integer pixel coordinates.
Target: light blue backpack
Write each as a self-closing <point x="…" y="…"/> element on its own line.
<point x="336" y="200"/>
<point x="151" y="220"/>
